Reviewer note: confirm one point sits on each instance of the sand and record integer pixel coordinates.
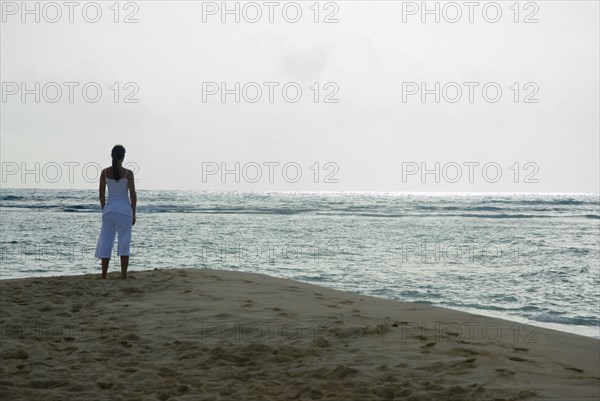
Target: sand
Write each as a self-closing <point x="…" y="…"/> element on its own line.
<point x="188" y="334"/>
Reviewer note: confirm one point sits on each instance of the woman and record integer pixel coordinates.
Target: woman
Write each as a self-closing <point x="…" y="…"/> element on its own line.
<point x="118" y="214"/>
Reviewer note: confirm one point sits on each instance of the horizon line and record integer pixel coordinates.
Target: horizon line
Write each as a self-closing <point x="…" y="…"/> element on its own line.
<point x="398" y="192"/>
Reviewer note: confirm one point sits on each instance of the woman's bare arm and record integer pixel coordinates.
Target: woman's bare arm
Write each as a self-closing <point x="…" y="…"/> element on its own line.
<point x="132" y="193"/>
<point x="102" y="189"/>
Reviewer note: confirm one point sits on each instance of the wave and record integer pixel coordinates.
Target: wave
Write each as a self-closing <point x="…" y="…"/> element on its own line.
<point x="223" y="210"/>
<point x="531" y="312"/>
<point x="295" y="211"/>
<point x="591" y="216"/>
<point x="31" y="206"/>
<point x="468" y="215"/>
<point x="367" y="206"/>
<point x="10" y="197"/>
<point x="474" y="208"/>
<point x="75" y="209"/>
<point x="555" y="317"/>
<point x="490" y="307"/>
<point x="506" y="216"/>
<point x="555" y="201"/>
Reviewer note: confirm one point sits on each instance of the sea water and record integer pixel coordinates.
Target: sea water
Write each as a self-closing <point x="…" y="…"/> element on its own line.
<point x="531" y="258"/>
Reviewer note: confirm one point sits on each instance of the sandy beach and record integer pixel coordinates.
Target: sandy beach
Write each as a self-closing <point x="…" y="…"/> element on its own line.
<point x="188" y="334"/>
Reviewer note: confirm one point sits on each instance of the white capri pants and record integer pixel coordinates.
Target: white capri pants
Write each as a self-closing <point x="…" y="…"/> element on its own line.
<point x="112" y="223"/>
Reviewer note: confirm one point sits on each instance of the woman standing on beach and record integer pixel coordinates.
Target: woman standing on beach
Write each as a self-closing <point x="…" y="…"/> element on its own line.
<point x="118" y="214"/>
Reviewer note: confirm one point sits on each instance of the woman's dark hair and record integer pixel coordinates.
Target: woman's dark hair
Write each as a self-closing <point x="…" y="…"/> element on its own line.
<point x="117" y="154"/>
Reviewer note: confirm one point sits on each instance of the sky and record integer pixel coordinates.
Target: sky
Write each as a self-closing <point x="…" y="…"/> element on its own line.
<point x="328" y="96"/>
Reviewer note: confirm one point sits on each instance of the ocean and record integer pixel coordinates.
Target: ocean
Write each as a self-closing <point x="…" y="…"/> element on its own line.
<point x="530" y="258"/>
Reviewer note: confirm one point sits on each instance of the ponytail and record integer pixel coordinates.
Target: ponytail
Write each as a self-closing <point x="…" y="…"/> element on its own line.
<point x="115" y="166"/>
<point x="117" y="154"/>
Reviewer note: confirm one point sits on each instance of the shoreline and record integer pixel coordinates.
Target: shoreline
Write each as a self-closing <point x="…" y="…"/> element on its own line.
<point x="594" y="332"/>
<point x="182" y="334"/>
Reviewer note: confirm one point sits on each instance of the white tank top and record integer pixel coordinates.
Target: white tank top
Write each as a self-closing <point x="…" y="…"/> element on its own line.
<point x="118" y="199"/>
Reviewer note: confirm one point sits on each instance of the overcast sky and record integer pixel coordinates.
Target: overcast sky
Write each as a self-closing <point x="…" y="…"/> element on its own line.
<point x="370" y="129"/>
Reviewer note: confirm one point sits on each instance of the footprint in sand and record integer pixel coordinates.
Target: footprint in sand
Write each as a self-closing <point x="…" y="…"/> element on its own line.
<point x="426" y="349"/>
<point x="505" y="372"/>
<point x="460" y="367"/>
<point x="105" y="385"/>
<point x="17" y="354"/>
<point x="517" y="359"/>
<point x="132" y="290"/>
<point x="574" y="369"/>
<point x="462" y="352"/>
<point x="222" y="315"/>
<point x="293" y="288"/>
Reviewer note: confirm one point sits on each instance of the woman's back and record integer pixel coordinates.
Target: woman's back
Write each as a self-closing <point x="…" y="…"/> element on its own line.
<point x="118" y="199"/>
